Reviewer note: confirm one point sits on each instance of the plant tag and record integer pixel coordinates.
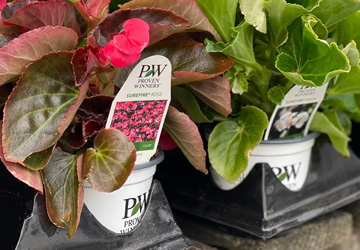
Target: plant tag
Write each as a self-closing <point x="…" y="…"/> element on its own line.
<point x="293" y="117"/>
<point x="140" y="107"/>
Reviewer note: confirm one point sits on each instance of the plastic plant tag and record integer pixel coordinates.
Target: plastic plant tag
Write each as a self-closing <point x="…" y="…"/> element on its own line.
<point x="140" y="107"/>
<point x="293" y="117"/>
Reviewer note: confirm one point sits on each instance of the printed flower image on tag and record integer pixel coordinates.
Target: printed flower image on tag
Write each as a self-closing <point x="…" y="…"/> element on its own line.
<point x="140" y="121"/>
<point x="291" y="121"/>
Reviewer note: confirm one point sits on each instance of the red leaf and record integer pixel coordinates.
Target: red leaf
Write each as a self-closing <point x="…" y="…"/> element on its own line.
<point x="186" y="135"/>
<point x="31" y="46"/>
<point x="32" y="178"/>
<point x="36" y="14"/>
<point x="95" y="108"/>
<point x="188" y="60"/>
<point x="97" y="7"/>
<point x="84" y="61"/>
<point x="189" y="9"/>
<point x="75" y="137"/>
<point x="92" y="127"/>
<point x="162" y="24"/>
<point x="214" y="92"/>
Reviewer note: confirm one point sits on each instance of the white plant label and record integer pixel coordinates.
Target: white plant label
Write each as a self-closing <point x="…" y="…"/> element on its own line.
<point x="140" y="107"/>
<point x="293" y="117"/>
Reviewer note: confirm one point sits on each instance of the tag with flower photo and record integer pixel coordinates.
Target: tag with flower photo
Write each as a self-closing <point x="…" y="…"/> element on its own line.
<point x="293" y="117"/>
<point x="140" y="107"/>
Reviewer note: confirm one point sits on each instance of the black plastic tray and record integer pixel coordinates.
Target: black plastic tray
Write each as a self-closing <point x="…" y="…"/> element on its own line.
<point x="261" y="205"/>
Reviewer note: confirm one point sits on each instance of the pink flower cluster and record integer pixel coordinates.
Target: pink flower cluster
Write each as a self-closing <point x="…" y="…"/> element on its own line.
<point x="139" y="120"/>
<point x="126" y="47"/>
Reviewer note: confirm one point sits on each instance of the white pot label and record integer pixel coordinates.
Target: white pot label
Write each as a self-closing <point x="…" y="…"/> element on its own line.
<point x="293" y="117"/>
<point x="140" y="107"/>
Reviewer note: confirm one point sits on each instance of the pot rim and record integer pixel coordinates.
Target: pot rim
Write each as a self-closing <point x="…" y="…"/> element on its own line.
<point x="151" y="163"/>
<point x="312" y="135"/>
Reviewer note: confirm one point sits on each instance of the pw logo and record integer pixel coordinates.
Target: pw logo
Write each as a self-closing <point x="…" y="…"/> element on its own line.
<point x="133" y="205"/>
<point x="289" y="172"/>
<point x="152" y="70"/>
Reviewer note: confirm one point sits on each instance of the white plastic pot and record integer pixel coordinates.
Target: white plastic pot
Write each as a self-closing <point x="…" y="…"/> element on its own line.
<point x="122" y="210"/>
<point x="289" y="159"/>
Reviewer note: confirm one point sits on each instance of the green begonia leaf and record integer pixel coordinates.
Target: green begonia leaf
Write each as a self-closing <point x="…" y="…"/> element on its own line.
<point x="352" y="54"/>
<point x="190" y="105"/>
<point x="64" y="193"/>
<point x="221" y="14"/>
<point x="108" y="165"/>
<point x="281" y="13"/>
<point x="343" y="102"/>
<point x="40" y="107"/>
<point x="254" y="13"/>
<point x="331" y="12"/>
<point x="348" y="30"/>
<point x="347" y="83"/>
<point x="186" y="135"/>
<point x="306" y="60"/>
<point x="276" y="95"/>
<point x="240" y="49"/>
<point x="329" y="124"/>
<point x="231" y="142"/>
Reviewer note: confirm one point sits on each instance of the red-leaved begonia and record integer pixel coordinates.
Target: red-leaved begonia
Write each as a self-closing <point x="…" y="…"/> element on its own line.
<point x="126" y="47"/>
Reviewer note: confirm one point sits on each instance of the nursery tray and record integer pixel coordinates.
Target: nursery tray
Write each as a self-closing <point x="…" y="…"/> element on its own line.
<point x="158" y="230"/>
<point x="261" y="205"/>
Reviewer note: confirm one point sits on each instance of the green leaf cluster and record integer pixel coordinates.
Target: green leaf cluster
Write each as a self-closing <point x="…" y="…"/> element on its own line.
<point x="275" y="45"/>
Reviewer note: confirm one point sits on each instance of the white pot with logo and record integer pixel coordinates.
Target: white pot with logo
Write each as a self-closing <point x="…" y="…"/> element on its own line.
<point x="122" y="210"/>
<point x="288" y="158"/>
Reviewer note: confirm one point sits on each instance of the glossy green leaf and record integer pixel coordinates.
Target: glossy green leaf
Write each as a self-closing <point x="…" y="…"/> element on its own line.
<point x="41" y="106"/>
<point x="276" y="95"/>
<point x="331" y="12"/>
<point x="281" y="13"/>
<point x="343" y="102"/>
<point x="186" y="135"/>
<point x="348" y="83"/>
<point x="108" y="165"/>
<point x="189" y="104"/>
<point x="39" y="160"/>
<point x="231" y="142"/>
<point x="329" y="124"/>
<point x="352" y="54"/>
<point x="189" y="9"/>
<point x="306" y="60"/>
<point x="221" y="14"/>
<point x="31" y="46"/>
<point x="254" y="13"/>
<point x="64" y="193"/>
<point x="240" y="49"/>
<point x="348" y="30"/>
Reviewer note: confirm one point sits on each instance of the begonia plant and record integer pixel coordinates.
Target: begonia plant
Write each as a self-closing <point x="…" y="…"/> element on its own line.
<point x="62" y="63"/>
<point x="277" y="44"/>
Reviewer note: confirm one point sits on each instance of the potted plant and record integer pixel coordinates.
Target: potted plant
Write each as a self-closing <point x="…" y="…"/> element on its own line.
<point x="62" y="63"/>
<point x="276" y="45"/>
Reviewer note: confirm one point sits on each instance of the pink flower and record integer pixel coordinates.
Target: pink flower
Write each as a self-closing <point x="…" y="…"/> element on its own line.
<point x="126" y="47"/>
<point x="2" y="4"/>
